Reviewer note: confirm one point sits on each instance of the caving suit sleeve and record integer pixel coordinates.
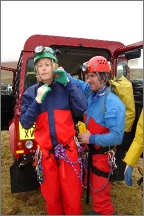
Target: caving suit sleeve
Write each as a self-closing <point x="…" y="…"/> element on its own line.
<point x="84" y="86"/>
<point x="136" y="148"/>
<point x="78" y="101"/>
<point x="29" y="109"/>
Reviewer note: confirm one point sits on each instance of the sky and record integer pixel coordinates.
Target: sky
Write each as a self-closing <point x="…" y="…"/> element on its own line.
<point x="104" y="20"/>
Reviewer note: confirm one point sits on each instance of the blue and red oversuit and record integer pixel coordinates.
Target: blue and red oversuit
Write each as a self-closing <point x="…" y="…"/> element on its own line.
<point x="62" y="189"/>
<point x="105" y="119"/>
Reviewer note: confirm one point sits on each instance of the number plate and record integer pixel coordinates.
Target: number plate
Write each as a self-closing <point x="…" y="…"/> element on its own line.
<point x="26" y="134"/>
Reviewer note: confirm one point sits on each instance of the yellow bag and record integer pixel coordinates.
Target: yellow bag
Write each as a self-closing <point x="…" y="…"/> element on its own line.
<point x="124" y="90"/>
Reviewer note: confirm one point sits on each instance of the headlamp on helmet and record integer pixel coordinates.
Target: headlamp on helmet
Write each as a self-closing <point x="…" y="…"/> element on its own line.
<point x="39" y="49"/>
<point x="45" y="52"/>
<point x="109" y="65"/>
<point x="85" y="67"/>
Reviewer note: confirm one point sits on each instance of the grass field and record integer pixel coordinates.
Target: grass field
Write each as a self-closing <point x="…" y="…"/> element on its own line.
<point x="126" y="200"/>
<point x="7" y="76"/>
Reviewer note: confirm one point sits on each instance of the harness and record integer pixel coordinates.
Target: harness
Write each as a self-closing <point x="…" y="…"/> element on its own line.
<point x="111" y="160"/>
<point x="102" y="150"/>
<point x="60" y="153"/>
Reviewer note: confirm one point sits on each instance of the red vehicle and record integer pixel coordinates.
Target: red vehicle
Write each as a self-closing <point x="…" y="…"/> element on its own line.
<point x="74" y="51"/>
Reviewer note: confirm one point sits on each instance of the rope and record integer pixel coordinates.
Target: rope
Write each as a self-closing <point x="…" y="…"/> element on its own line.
<point x="60" y="152"/>
<point x="38" y="159"/>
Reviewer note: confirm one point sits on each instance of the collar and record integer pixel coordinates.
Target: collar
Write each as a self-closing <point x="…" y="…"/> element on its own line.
<point x="99" y="94"/>
<point x="53" y="82"/>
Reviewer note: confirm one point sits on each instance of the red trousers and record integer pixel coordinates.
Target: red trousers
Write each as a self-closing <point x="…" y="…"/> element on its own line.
<point x="101" y="201"/>
<point x="62" y="189"/>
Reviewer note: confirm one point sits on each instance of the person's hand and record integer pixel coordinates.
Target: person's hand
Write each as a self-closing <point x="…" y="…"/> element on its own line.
<point x="128" y="175"/>
<point x="41" y="93"/>
<point x="60" y="76"/>
<point x="84" y="137"/>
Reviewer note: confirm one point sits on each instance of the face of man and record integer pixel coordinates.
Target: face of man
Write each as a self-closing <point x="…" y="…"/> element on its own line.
<point x="93" y="80"/>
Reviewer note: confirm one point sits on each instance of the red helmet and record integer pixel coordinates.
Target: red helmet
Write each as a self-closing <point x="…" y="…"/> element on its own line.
<point x="96" y="64"/>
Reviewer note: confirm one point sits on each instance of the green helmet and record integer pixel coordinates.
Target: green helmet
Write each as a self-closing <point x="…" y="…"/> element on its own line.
<point x="44" y="52"/>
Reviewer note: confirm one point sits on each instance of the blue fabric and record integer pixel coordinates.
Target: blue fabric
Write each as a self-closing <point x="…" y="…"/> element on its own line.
<point x="84" y="86"/>
<point x="111" y="117"/>
<point x="69" y="97"/>
<point x="35" y="105"/>
<point x="128" y="175"/>
<point x="92" y="139"/>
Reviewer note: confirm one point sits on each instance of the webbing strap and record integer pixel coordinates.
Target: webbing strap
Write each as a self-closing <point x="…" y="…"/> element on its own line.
<point x="101" y="150"/>
<point x="99" y="172"/>
<point x="88" y="176"/>
<point x="107" y="91"/>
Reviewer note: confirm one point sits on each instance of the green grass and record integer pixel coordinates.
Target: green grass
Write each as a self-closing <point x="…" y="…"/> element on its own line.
<point x="126" y="200"/>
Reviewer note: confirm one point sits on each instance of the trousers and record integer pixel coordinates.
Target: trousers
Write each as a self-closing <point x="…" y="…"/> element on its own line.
<point x="62" y="189"/>
<point x="101" y="199"/>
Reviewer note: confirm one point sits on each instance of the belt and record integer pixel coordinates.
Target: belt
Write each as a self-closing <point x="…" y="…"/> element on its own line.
<point x="47" y="153"/>
<point x="99" y="172"/>
<point x="102" y="150"/>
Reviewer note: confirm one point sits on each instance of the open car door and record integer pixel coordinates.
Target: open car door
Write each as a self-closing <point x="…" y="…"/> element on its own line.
<point x="7" y="96"/>
<point x="128" y="61"/>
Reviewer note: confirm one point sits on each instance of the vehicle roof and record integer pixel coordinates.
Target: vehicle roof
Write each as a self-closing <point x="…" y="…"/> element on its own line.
<point x="49" y="40"/>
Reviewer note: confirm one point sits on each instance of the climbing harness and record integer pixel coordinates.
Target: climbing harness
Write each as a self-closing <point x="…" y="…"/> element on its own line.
<point x="60" y="152"/>
<point x="111" y="162"/>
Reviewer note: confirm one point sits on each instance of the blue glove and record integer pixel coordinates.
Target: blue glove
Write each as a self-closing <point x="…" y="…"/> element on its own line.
<point x="128" y="175"/>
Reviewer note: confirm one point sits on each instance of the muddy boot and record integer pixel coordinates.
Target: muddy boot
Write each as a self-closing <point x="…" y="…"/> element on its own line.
<point x="92" y="212"/>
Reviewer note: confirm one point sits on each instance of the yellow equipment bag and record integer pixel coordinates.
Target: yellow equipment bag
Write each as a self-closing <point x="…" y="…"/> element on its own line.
<point x="124" y="90"/>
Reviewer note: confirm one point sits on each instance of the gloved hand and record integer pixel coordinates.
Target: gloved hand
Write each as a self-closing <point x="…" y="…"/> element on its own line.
<point x="41" y="93"/>
<point x="61" y="77"/>
<point x="128" y="175"/>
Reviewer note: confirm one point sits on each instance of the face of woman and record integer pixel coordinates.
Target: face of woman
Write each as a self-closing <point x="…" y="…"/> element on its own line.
<point x="45" y="70"/>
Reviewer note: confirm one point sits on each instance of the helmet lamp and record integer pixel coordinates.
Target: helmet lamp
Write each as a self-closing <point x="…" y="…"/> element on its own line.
<point x="39" y="49"/>
<point x="85" y="67"/>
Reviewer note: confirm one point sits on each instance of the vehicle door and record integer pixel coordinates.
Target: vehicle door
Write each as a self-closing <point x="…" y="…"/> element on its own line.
<point x="128" y="61"/>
